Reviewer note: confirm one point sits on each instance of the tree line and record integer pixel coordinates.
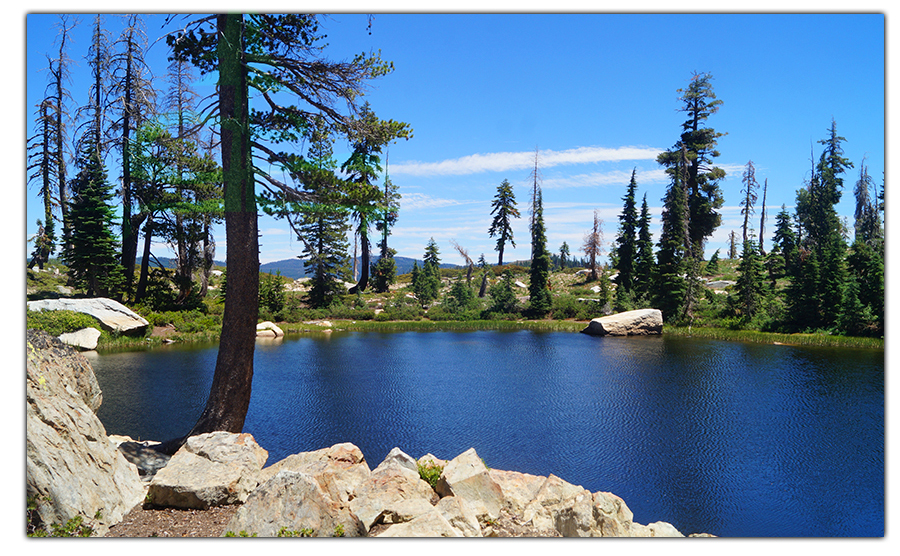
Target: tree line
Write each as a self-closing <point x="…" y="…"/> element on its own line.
<point x="811" y="280"/>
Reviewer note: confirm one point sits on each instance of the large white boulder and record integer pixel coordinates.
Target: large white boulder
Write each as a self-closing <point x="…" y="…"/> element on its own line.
<point x="113" y="316"/>
<point x="641" y="322"/>
<point x="71" y="467"/>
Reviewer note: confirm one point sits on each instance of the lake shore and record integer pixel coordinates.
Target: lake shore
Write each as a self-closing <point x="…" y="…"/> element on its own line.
<point x="162" y="337"/>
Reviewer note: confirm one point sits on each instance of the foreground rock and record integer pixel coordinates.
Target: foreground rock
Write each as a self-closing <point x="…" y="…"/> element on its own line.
<point x="293" y="504"/>
<point x="209" y="470"/>
<point x="641" y="322"/>
<point x="72" y="468"/>
<point x="112" y="315"/>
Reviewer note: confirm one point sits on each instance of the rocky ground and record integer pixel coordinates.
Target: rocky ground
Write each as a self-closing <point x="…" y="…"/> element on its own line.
<point x="171" y="522"/>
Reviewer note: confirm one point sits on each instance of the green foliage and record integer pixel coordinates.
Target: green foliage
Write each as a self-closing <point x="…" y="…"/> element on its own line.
<point x="92" y="251"/>
<point x="567" y="306"/>
<point x="285" y="533"/>
<point x="539" y="286"/>
<point x="503" y="298"/>
<point x="384" y="272"/>
<point x="242" y="534"/>
<point x="74" y="527"/>
<point x="271" y="292"/>
<point x="626" y="250"/>
<point x="59" y="322"/>
<point x="430" y="473"/>
<point x="712" y="266"/>
<point x="750" y="283"/>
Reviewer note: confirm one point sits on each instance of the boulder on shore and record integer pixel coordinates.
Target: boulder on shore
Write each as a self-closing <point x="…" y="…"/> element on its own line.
<point x="72" y="468"/>
<point x="642" y="322"/>
<point x="112" y="315"/>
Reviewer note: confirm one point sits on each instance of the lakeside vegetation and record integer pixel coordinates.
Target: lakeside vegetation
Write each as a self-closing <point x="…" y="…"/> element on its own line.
<point x="574" y="302"/>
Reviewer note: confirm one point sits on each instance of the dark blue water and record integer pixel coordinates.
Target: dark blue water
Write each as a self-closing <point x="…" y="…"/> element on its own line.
<point x="727" y="438"/>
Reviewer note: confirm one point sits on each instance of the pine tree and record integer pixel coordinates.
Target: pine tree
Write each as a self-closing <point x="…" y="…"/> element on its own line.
<point x="563" y="255"/>
<point x="92" y="256"/>
<point x="701" y="178"/>
<point x="670" y="288"/>
<point x="426" y="283"/>
<point x="134" y="98"/>
<point x="750" y="286"/>
<point x="322" y="223"/>
<point x="504" y="210"/>
<point x="712" y="266"/>
<point x="539" y="287"/>
<point x="645" y="263"/>
<point x="626" y="251"/>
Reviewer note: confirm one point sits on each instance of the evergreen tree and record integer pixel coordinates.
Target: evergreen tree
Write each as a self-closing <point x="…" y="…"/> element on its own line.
<point x="504" y="210"/>
<point x="59" y="98"/>
<point x="426" y="283"/>
<point x="503" y="298"/>
<point x="750" y="285"/>
<point x="563" y="255"/>
<point x="645" y="263"/>
<point x="322" y="224"/>
<point x="823" y="228"/>
<point x="732" y="246"/>
<point x="539" y="287"/>
<point x="626" y="250"/>
<point x="712" y="267"/>
<point x="698" y="145"/>
<point x="670" y="287"/>
<point x="270" y="53"/>
<point x="92" y="255"/>
<point x="785" y="242"/>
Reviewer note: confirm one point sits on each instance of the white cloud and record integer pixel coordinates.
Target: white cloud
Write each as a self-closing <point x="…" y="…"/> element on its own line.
<point x="415" y="201"/>
<point x="504" y="161"/>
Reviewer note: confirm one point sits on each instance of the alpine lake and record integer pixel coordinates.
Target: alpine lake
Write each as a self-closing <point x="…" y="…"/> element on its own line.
<point x="729" y="438"/>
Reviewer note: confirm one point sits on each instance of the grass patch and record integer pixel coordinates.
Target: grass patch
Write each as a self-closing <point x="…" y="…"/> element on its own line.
<point x="819" y="340"/>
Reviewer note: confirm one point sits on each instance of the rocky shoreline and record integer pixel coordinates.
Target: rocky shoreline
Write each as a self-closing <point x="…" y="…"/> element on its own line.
<point x="74" y="469"/>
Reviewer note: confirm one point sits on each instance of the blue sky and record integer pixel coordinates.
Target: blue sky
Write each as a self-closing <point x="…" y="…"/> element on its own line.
<point x="595" y="94"/>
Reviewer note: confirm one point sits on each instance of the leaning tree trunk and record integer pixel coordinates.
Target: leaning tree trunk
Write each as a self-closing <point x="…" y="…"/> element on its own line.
<point x="229" y="396"/>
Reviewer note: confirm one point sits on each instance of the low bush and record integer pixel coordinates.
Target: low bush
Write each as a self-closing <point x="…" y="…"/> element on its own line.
<point x="59" y="322"/>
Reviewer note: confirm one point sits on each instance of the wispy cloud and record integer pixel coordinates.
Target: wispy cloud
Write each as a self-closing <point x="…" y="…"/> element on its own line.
<point x="416" y="201"/>
<point x="504" y="161"/>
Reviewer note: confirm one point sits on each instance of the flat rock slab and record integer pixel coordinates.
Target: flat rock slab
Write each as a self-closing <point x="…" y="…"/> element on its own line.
<point x="112" y="315"/>
<point x="642" y="322"/>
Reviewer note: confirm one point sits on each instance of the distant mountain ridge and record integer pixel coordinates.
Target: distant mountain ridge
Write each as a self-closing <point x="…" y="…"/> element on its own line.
<point x="293" y="268"/>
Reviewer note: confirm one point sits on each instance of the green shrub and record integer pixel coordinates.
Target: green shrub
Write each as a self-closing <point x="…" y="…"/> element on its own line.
<point x="430" y="473"/>
<point x="59" y="322"/>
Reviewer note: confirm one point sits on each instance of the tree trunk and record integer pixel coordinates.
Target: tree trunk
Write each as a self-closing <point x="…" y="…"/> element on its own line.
<point x="229" y="397"/>
<point x="145" y="261"/>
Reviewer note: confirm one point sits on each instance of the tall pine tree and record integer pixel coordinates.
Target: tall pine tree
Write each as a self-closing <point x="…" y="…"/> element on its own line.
<point x="626" y="249"/>
<point x="539" y="287"/>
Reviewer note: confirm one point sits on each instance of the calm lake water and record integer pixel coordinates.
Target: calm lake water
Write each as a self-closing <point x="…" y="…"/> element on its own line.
<point x="733" y="439"/>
